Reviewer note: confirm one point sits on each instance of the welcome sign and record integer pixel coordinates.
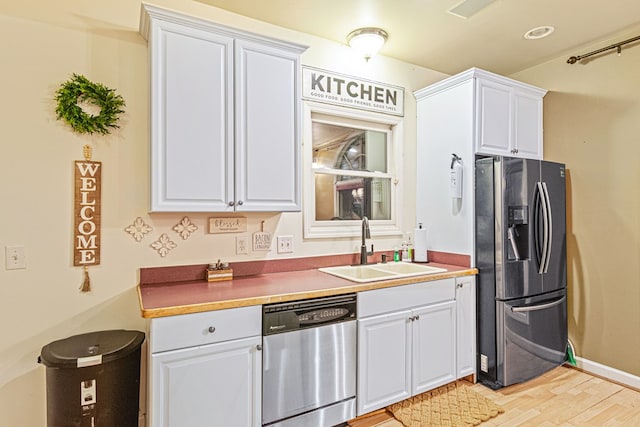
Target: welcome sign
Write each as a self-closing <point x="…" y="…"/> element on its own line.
<point x="339" y="89"/>
<point x="86" y="239"/>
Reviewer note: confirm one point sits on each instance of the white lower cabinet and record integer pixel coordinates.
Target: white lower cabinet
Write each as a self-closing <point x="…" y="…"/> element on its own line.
<point x="434" y="346"/>
<point x="466" y="325"/>
<point x="213" y="385"/>
<point x="384" y="360"/>
<point x="406" y="342"/>
<point x="215" y="379"/>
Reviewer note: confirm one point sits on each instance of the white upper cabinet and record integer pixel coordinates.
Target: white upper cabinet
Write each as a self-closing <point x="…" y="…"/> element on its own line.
<point x="508" y="117"/>
<point x="505" y="115"/>
<point x="225" y="117"/>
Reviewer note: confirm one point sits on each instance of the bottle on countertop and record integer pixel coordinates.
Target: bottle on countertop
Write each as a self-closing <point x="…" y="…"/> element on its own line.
<point x="405" y="251"/>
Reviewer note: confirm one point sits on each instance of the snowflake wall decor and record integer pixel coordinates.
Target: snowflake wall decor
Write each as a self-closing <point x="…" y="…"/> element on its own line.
<point x="185" y="228"/>
<point x="163" y="245"/>
<point x="138" y="229"/>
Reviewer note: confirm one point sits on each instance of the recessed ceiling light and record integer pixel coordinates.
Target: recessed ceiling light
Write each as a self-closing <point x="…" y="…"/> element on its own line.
<point x="539" y="32"/>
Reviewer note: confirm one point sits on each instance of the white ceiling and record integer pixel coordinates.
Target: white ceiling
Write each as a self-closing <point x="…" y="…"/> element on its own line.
<point x="424" y="33"/>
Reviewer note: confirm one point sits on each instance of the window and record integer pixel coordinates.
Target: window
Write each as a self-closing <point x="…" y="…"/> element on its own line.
<point x="350" y="171"/>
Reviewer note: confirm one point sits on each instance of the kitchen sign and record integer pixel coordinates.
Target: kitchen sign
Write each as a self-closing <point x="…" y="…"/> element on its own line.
<point x="339" y="89"/>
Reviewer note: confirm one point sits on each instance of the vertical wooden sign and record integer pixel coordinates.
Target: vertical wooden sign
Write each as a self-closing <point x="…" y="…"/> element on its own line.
<point x="86" y="225"/>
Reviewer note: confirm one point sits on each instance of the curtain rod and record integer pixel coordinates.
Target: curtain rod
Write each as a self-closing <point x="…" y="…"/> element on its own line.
<point x="574" y="59"/>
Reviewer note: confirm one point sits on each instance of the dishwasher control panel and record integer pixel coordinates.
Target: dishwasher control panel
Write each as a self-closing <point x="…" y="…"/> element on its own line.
<point x="290" y="316"/>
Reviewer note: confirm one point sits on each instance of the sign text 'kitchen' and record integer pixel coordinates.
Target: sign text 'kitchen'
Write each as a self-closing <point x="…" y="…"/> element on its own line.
<point x="340" y="89"/>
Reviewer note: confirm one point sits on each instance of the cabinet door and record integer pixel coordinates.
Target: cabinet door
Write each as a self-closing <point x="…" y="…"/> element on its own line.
<point x="216" y="385"/>
<point x="434" y="346"/>
<point x="527" y="122"/>
<point x="191" y="119"/>
<point x="384" y="360"/>
<point x="466" y="325"/>
<point x="267" y="128"/>
<point x="493" y="118"/>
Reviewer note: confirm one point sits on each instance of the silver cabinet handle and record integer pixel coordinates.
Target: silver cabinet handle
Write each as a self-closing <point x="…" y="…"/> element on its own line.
<point x="212" y="329"/>
<point x="240" y="203"/>
<point x="231" y="203"/>
<point x="259" y="347"/>
<point x="417" y="317"/>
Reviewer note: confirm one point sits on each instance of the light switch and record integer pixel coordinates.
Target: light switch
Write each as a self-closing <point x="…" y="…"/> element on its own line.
<point x="15" y="257"/>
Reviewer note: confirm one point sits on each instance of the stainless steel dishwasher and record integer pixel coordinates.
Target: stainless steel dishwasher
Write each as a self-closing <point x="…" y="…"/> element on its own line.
<point x="309" y="362"/>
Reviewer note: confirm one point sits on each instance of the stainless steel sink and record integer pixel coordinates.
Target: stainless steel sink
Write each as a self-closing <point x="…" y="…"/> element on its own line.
<point x="376" y="272"/>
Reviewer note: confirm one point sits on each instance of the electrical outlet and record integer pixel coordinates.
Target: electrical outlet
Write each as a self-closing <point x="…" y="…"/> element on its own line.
<point x="242" y="245"/>
<point x="285" y="244"/>
<point x="15" y="257"/>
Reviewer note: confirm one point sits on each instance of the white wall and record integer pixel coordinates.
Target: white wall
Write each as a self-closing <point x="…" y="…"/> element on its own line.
<point x="445" y="127"/>
<point x="44" y="43"/>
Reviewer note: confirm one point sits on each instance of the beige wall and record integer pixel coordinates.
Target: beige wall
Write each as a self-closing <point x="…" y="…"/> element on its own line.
<point x="592" y="123"/>
<point x="43" y="43"/>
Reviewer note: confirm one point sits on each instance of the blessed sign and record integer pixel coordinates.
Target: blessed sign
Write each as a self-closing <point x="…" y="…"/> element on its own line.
<point x="86" y="226"/>
<point x="339" y="89"/>
<point x="227" y="225"/>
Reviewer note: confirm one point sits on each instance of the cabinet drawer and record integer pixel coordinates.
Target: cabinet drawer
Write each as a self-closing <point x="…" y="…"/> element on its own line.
<point x="189" y="330"/>
<point x="404" y="297"/>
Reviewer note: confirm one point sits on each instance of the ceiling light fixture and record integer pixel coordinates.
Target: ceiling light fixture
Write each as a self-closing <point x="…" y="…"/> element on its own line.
<point x="367" y="41"/>
<point x="539" y="32"/>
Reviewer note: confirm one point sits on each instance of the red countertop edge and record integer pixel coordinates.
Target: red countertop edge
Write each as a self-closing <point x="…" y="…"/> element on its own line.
<point x="183" y="288"/>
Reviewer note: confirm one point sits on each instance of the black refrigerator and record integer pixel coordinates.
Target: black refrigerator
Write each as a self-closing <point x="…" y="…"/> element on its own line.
<point x="520" y="242"/>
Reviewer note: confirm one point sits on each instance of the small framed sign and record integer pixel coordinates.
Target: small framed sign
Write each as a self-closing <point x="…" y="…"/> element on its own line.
<point x="227" y="225"/>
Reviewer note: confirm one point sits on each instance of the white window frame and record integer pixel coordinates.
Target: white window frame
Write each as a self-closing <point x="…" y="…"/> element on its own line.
<point x="350" y="228"/>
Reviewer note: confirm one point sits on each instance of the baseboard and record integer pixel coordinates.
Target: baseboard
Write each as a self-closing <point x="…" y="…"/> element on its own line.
<point x="608" y="373"/>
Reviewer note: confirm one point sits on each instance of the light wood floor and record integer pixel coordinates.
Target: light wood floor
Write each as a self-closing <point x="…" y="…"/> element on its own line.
<point x="561" y="397"/>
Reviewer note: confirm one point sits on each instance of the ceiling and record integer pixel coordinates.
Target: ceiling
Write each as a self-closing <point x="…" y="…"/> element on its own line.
<point x="424" y="33"/>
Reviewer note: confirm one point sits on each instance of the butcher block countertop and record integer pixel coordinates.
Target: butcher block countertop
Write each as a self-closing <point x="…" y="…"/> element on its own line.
<point x="171" y="298"/>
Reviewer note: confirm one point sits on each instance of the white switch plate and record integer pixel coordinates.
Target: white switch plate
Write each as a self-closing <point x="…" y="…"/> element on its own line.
<point x="242" y="245"/>
<point x="15" y="257"/>
<point x="285" y="244"/>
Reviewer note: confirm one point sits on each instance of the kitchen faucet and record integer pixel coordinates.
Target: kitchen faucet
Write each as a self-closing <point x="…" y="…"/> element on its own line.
<point x="366" y="234"/>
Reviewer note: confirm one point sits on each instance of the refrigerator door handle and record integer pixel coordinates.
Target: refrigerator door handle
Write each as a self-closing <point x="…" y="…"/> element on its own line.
<point x="547" y="202"/>
<point x="538" y="307"/>
<point x="545" y="228"/>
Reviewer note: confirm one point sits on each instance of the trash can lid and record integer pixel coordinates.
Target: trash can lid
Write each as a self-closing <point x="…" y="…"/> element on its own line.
<point x="90" y="349"/>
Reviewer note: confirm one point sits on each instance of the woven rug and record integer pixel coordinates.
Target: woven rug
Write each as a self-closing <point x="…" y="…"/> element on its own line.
<point x="454" y="404"/>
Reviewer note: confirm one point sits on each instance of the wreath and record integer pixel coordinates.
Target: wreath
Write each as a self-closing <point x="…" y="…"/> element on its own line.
<point x="79" y="88"/>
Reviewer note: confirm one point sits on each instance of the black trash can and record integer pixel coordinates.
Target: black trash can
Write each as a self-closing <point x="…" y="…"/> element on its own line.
<point x="93" y="379"/>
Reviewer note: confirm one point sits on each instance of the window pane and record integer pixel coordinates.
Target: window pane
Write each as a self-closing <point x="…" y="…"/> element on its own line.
<point x="344" y="197"/>
<point x="346" y="148"/>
